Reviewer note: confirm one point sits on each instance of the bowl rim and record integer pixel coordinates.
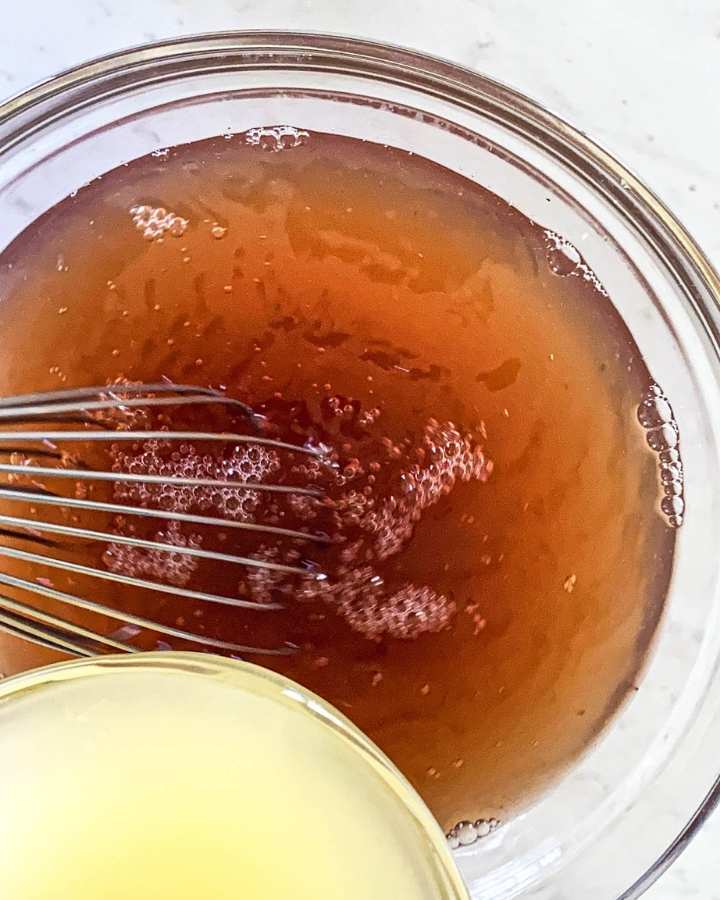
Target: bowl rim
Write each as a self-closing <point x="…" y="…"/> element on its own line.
<point x="263" y="49"/>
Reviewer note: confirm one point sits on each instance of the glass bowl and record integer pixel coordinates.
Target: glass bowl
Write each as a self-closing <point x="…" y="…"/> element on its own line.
<point x="144" y="698"/>
<point x="630" y="805"/>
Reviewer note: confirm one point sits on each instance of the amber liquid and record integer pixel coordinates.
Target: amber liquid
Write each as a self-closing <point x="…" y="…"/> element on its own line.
<point x="498" y="559"/>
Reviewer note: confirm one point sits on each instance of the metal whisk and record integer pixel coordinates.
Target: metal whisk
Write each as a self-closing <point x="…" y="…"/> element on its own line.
<point x="90" y="408"/>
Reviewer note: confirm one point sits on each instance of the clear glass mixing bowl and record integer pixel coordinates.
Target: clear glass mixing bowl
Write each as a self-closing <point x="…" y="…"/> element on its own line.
<point x="628" y="808"/>
<point x="158" y="689"/>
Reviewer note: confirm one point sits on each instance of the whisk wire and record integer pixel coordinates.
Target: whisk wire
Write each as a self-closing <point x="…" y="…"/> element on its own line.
<point x="50" y="499"/>
<point x="89" y="407"/>
<point x="129" y="541"/>
<point x="42" y="635"/>
<point x="130" y="581"/>
<point x="140" y="622"/>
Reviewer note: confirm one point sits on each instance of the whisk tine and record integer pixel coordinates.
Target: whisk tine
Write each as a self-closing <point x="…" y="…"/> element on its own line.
<point x="83" y="393"/>
<point x="90" y="475"/>
<point x="55" y="404"/>
<point x="130" y="581"/>
<point x="39" y="410"/>
<point x="10" y="605"/>
<point x="42" y="635"/>
<point x="161" y="387"/>
<point x="49" y="499"/>
<point x="21" y="416"/>
<point x="117" y="436"/>
<point x="107" y="537"/>
<point x="164" y="387"/>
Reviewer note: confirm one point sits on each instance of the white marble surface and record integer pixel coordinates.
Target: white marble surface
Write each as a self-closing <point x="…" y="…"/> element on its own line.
<point x="641" y="77"/>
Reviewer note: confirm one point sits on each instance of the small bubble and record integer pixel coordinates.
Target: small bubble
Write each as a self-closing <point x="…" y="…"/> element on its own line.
<point x="663" y="438"/>
<point x="670" y="472"/>
<point x="177" y="227"/>
<point x="673" y="488"/>
<point x="482" y="828"/>
<point x="466" y="833"/>
<point x="673" y="506"/>
<point x="218" y="232"/>
<point x="569" y="583"/>
<point x="654" y="411"/>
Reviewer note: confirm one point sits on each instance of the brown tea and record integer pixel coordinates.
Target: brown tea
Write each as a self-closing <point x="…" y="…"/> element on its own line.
<point x="497" y="555"/>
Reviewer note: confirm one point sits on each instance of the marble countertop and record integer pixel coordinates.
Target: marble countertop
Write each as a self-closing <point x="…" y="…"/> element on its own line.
<point x="640" y="77"/>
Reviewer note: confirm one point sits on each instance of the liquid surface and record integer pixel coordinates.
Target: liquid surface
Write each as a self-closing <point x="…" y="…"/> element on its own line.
<point x="259" y="799"/>
<point x="499" y="556"/>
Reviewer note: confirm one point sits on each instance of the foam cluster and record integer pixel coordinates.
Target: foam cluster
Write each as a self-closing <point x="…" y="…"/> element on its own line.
<point x="663" y="436"/>
<point x="157" y="565"/>
<point x="155" y="222"/>
<point x="564" y="259"/>
<point x="374" y="510"/>
<point x="370" y="508"/>
<point x="276" y="137"/>
<point x="245" y="465"/>
<point x="406" y="613"/>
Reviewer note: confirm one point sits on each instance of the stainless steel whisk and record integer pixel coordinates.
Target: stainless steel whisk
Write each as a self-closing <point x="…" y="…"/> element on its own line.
<point x="86" y="406"/>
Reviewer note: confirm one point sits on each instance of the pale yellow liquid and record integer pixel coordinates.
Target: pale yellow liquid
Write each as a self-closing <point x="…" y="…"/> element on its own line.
<point x="143" y="781"/>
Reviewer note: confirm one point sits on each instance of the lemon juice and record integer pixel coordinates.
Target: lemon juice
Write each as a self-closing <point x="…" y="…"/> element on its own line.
<point x="183" y="777"/>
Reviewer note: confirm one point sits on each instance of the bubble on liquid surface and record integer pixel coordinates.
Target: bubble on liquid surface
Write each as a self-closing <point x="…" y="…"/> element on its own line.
<point x="158" y="565"/>
<point x="465" y="833"/>
<point x="276" y="138"/>
<point x="564" y="259"/>
<point x="383" y="522"/>
<point x="155" y="222"/>
<point x="663" y="436"/>
<point x="243" y="467"/>
<point x="369" y="525"/>
<point x="562" y="256"/>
